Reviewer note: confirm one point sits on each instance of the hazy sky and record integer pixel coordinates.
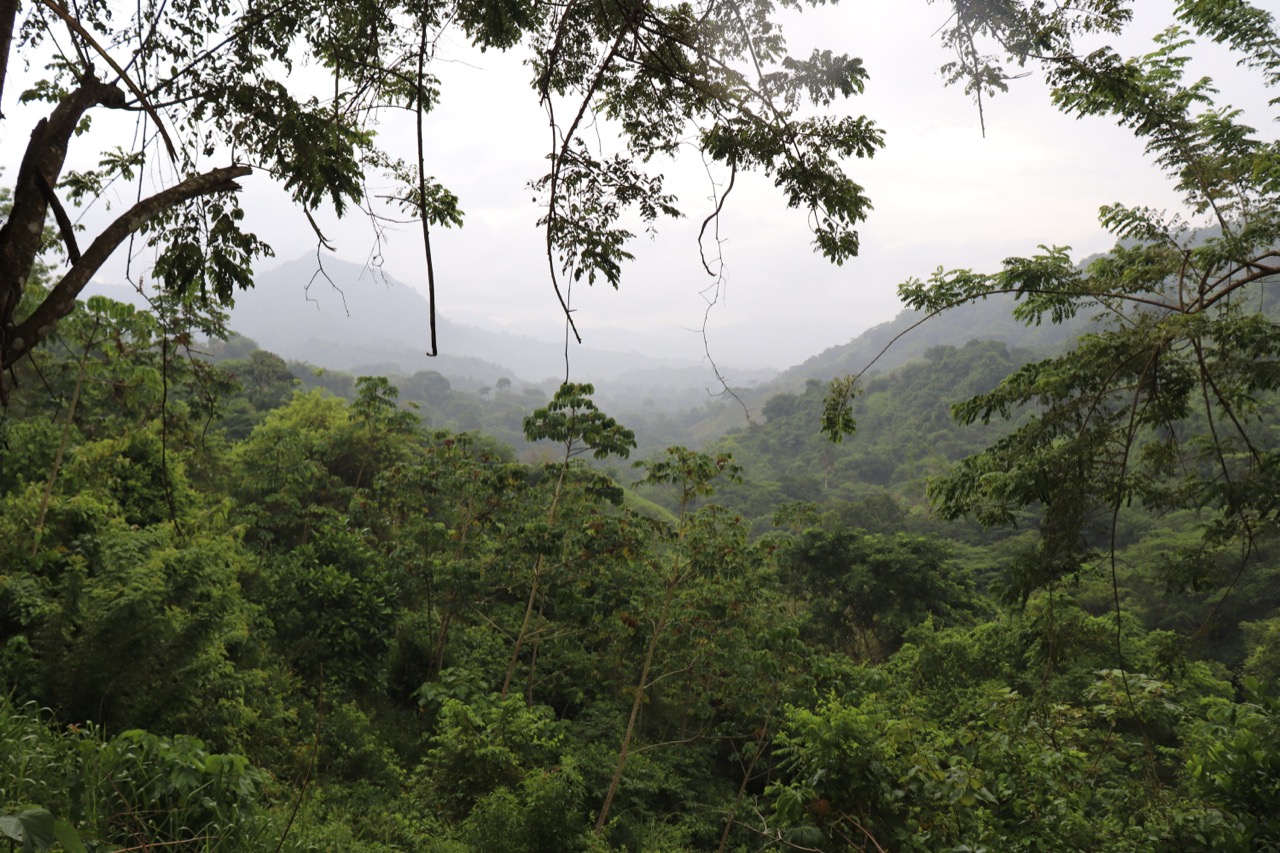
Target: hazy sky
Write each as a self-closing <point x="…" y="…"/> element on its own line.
<point x="943" y="196"/>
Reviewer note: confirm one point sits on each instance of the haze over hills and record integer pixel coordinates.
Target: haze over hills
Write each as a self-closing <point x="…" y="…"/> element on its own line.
<point x="909" y="335"/>
<point x="354" y="320"/>
<point x="351" y="319"/>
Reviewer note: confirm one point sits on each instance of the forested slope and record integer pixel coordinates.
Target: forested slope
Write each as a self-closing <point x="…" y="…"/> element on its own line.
<point x="239" y="618"/>
<point x="909" y="336"/>
<point x="905" y="431"/>
<point x="239" y="612"/>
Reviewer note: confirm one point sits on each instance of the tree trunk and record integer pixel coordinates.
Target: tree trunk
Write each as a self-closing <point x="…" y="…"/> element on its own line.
<point x="658" y="628"/>
<point x="742" y="789"/>
<point x="533" y="586"/>
<point x="8" y="16"/>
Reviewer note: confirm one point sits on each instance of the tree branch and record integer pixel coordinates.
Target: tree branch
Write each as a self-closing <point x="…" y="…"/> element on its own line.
<point x="79" y="30"/>
<point x="42" y="163"/>
<point x="62" y="298"/>
<point x="60" y="215"/>
<point x="8" y="17"/>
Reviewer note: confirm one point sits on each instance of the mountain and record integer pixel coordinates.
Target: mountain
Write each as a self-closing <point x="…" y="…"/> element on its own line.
<point x="344" y="317"/>
<point x="910" y="335"/>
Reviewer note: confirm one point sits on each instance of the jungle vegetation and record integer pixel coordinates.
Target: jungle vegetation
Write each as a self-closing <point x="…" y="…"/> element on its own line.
<point x="238" y="614"/>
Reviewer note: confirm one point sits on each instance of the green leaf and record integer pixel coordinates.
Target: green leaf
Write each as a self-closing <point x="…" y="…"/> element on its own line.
<point x="572" y="419"/>
<point x="68" y="837"/>
<point x="34" y="827"/>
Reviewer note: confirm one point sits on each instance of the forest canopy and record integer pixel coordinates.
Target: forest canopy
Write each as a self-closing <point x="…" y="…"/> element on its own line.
<point x="207" y="84"/>
<point x="241" y="612"/>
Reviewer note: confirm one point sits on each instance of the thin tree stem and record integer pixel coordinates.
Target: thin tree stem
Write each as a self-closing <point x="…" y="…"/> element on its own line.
<point x="62" y="442"/>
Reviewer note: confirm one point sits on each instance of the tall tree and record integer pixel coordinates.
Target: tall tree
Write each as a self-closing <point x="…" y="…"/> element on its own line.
<point x="692" y="474"/>
<point x="1167" y="405"/>
<point x="573" y="421"/>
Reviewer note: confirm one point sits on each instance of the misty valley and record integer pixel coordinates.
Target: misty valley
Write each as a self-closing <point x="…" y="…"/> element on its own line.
<point x="294" y="560"/>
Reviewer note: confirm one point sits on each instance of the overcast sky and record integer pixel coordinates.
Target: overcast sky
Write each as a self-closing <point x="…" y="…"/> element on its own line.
<point x="943" y="196"/>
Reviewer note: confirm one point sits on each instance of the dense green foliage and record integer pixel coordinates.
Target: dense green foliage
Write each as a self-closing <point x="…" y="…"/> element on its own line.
<point x="1165" y="408"/>
<point x="241" y="615"/>
<point x="905" y="435"/>
<point x="236" y="619"/>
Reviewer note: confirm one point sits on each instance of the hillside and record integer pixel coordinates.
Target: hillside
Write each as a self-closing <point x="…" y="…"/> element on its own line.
<point x="905" y="434"/>
<point x="409" y="619"/>
<point x="907" y="337"/>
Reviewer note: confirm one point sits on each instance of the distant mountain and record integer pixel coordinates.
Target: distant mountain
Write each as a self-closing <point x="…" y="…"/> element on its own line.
<point x="349" y="319"/>
<point x="904" y="340"/>
<point x="991" y="319"/>
<point x="907" y="337"/>
<point x="346" y="318"/>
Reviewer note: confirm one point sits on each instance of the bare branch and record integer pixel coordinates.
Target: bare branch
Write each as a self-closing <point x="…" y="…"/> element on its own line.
<point x="115" y="66"/>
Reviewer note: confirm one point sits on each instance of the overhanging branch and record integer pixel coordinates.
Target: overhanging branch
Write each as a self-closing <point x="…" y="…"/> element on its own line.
<point x="22" y="233"/>
<point x="62" y="298"/>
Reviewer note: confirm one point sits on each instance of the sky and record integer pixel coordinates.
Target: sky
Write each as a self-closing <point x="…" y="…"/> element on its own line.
<point x="943" y="194"/>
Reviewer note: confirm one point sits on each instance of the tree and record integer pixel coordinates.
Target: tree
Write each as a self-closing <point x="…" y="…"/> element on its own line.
<point x="268" y="384"/>
<point x="206" y="83"/>
<point x="692" y="474"/>
<point x="572" y="420"/>
<point x="864" y="590"/>
<point x="1166" y="404"/>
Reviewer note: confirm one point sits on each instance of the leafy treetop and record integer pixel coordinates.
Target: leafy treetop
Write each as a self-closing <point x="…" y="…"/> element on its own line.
<point x="573" y="420"/>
